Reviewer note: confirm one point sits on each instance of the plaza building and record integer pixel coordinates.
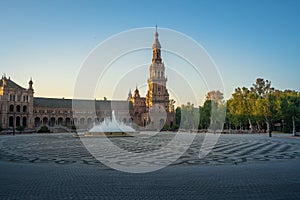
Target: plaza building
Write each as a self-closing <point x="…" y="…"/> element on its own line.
<point x="156" y="110"/>
<point x="16" y="104"/>
<point x="19" y="107"/>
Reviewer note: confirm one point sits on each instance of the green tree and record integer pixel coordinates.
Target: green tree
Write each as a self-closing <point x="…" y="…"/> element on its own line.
<point x="189" y="117"/>
<point x="205" y="113"/>
<point x="265" y="104"/>
<point x="240" y="107"/>
<point x="290" y="104"/>
<point x="178" y="115"/>
<point x="215" y="100"/>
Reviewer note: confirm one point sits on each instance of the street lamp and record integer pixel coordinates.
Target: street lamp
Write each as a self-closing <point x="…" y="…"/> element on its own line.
<point x="14" y="121"/>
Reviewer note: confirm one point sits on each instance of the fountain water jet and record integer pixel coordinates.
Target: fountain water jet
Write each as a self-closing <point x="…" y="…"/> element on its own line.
<point x="111" y="127"/>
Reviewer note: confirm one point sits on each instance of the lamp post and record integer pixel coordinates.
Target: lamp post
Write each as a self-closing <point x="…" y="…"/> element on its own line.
<point x="14" y="121"/>
<point x="293" y="118"/>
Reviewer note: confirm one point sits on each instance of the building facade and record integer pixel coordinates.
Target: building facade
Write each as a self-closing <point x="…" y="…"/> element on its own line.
<point x="19" y="107"/>
<point x="156" y="110"/>
<point x="16" y="104"/>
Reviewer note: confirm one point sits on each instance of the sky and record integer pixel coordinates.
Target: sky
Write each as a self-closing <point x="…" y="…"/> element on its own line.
<point x="48" y="41"/>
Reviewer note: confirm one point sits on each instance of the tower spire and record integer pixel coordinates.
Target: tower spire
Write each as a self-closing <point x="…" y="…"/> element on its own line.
<point x="156" y="58"/>
<point x="156" y="43"/>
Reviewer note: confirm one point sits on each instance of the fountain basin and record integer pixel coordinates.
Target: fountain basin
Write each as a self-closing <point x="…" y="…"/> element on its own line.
<point x="111" y="128"/>
<point x="110" y="134"/>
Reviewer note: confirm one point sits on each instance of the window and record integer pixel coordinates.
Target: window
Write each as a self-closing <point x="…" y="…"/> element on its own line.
<point x="18" y="108"/>
<point x="11" y="108"/>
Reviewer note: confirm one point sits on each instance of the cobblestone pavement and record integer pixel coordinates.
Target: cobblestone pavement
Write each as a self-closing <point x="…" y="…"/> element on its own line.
<point x="230" y="149"/>
<point x="57" y="166"/>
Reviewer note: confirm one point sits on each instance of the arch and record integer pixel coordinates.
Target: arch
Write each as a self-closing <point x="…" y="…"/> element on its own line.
<point x="18" y="108"/>
<point x="24" y="108"/>
<point x="68" y="121"/>
<point x="11" y="108"/>
<point x="24" y="122"/>
<point x="11" y="121"/>
<point x="60" y="121"/>
<point x="52" y="121"/>
<point x="18" y="121"/>
<point x="45" y="121"/>
<point x="37" y="122"/>
<point x="82" y="120"/>
<point x="89" y="121"/>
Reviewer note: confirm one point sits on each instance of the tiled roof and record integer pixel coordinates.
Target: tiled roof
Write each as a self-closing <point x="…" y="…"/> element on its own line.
<point x="10" y="84"/>
<point x="81" y="104"/>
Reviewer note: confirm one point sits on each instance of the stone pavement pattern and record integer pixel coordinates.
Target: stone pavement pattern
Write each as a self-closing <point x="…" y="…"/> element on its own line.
<point x="67" y="149"/>
<point x="57" y="166"/>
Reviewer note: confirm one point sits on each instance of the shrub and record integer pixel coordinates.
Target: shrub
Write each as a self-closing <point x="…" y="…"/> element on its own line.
<point x="166" y="127"/>
<point x="73" y="127"/>
<point x="20" y="128"/>
<point x="44" y="129"/>
<point x="175" y="127"/>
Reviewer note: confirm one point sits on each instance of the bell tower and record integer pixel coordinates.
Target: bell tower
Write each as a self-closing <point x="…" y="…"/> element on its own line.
<point x="157" y="91"/>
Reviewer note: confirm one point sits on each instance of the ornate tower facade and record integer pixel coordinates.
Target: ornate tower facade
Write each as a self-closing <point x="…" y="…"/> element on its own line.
<point x="157" y="92"/>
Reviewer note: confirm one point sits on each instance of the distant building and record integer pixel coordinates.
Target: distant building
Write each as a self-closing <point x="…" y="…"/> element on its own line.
<point x="16" y="104"/>
<point x="19" y="107"/>
<point x="156" y="109"/>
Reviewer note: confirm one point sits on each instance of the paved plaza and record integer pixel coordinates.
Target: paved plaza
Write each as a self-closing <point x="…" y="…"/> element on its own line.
<point x="58" y="166"/>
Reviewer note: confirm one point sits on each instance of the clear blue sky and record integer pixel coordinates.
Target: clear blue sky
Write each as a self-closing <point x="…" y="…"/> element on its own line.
<point x="49" y="40"/>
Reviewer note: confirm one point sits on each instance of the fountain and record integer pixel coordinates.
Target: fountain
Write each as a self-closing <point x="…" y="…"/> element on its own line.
<point x="111" y="127"/>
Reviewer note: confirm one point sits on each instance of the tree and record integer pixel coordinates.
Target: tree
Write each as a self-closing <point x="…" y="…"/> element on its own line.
<point x="178" y="116"/>
<point x="189" y="117"/>
<point x="290" y="103"/>
<point x="205" y="113"/>
<point x="215" y="96"/>
<point x="241" y="105"/>
<point x="265" y="101"/>
<point x="217" y="111"/>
